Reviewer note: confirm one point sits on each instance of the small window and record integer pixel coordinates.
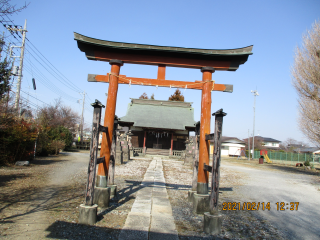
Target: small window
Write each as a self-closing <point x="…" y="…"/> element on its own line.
<point x="225" y="147"/>
<point x="274" y="144"/>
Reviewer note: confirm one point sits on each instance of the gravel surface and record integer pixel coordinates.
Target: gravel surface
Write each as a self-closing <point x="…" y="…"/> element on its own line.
<point x="276" y="183"/>
<point x="235" y="224"/>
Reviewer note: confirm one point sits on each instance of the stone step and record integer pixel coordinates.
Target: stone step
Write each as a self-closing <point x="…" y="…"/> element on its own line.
<point x="152" y="151"/>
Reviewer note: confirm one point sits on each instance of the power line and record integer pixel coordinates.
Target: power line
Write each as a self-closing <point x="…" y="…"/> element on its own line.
<point x="48" y="70"/>
<point x="71" y="84"/>
<point x="35" y="98"/>
<point x="47" y="83"/>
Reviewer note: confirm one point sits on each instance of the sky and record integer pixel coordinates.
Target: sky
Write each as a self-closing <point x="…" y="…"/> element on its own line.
<point x="274" y="28"/>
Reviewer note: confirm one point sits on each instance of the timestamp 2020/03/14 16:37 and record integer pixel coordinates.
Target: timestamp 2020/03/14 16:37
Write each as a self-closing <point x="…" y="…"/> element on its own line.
<point x="256" y="206"/>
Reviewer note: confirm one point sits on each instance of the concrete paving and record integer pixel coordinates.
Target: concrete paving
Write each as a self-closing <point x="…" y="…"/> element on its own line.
<point x="151" y="214"/>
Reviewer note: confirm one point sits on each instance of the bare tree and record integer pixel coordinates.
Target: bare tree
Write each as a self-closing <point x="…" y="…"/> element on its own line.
<point x="290" y="145"/>
<point x="58" y="115"/>
<point x="7" y="9"/>
<point x="258" y="144"/>
<point x="143" y="96"/>
<point x="306" y="80"/>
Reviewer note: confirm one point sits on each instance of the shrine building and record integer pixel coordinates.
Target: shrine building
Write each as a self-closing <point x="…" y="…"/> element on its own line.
<point x="159" y="127"/>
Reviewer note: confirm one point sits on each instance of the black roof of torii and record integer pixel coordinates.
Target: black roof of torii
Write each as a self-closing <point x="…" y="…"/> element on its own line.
<point x="226" y="59"/>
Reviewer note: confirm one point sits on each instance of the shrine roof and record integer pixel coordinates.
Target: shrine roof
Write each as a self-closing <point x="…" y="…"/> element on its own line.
<point x="158" y="114"/>
<point x="221" y="59"/>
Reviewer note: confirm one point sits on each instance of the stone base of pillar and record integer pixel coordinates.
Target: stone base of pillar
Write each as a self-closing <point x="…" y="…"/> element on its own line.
<point x="125" y="157"/>
<point x="113" y="190"/>
<point x="102" y="196"/>
<point x="188" y="160"/>
<point x="190" y="195"/>
<point x="200" y="203"/>
<point x="144" y="151"/>
<point x="118" y="158"/>
<point x="88" y="214"/>
<point x="101" y="181"/>
<point x="212" y="223"/>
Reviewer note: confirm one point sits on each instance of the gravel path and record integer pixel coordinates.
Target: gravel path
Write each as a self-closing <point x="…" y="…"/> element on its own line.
<point x="267" y="185"/>
<point x="151" y="213"/>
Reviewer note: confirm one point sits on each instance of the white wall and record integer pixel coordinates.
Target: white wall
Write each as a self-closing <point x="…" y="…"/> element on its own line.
<point x="224" y="152"/>
<point x="234" y="149"/>
<point x="271" y="144"/>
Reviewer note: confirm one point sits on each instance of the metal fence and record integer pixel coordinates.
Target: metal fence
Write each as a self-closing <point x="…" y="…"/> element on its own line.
<point x="289" y="156"/>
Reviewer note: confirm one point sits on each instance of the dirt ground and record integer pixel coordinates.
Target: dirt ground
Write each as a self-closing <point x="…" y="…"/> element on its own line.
<point x="41" y="201"/>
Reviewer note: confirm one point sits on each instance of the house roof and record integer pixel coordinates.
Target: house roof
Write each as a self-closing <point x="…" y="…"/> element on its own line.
<point x="264" y="139"/>
<point x="157" y="114"/>
<point x="296" y="145"/>
<point x="231" y="140"/>
<point x="307" y="149"/>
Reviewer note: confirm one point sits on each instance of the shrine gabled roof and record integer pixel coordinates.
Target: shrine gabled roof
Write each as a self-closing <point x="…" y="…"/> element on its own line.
<point x="223" y="59"/>
<point x="157" y="114"/>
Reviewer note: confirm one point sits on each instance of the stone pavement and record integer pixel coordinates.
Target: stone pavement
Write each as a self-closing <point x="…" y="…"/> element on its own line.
<point x="151" y="214"/>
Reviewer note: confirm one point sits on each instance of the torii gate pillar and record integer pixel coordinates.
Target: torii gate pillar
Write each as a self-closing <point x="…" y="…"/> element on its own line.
<point x="203" y="176"/>
<point x="103" y="168"/>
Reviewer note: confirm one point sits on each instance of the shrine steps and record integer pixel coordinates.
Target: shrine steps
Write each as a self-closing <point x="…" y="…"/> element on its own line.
<point x="163" y="152"/>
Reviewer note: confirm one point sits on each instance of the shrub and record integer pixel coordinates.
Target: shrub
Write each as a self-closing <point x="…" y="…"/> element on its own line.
<point x="307" y="163"/>
<point x="51" y="139"/>
<point x="17" y="138"/>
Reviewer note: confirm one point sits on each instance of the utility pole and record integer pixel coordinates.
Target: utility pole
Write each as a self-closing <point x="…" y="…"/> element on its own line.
<point x="81" y="129"/>
<point x="255" y="93"/>
<point x="24" y="30"/>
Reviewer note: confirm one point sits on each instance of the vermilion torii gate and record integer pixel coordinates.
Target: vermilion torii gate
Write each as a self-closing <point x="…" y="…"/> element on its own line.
<point x="207" y="60"/>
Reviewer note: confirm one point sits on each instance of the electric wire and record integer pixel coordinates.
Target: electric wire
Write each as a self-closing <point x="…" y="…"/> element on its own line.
<point x="71" y="84"/>
<point x="57" y="74"/>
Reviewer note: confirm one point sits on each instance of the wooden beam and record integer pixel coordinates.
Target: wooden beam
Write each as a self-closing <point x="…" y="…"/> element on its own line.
<point x="93" y="152"/>
<point x="100" y="160"/>
<point x="214" y="195"/>
<point x="161" y="72"/>
<point x="171" y="61"/>
<point x="210" y="137"/>
<point x="202" y="185"/>
<point x="103" y="168"/>
<point x="207" y="168"/>
<point x="123" y="79"/>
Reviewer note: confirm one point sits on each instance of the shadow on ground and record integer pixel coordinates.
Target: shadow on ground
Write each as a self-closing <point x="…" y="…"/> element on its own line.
<point x="4" y="179"/>
<point x="39" y="200"/>
<point x="297" y="170"/>
<point x="66" y="230"/>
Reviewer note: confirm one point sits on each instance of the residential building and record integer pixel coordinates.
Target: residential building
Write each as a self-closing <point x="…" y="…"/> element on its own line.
<point x="266" y="142"/>
<point x="230" y="146"/>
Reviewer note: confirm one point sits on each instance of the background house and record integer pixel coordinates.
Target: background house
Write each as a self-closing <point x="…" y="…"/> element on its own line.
<point x="230" y="146"/>
<point x="264" y="143"/>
